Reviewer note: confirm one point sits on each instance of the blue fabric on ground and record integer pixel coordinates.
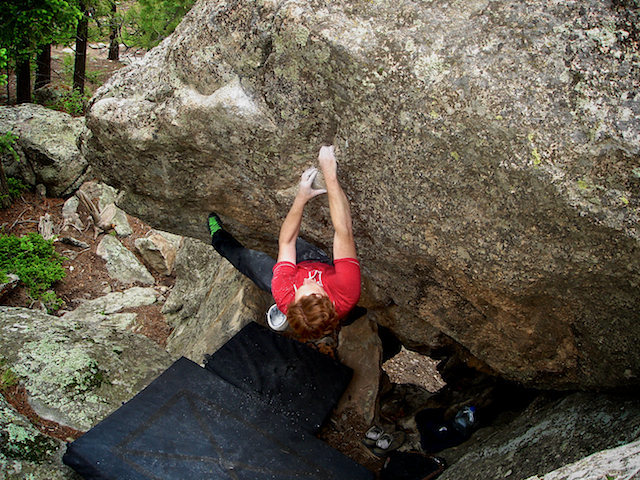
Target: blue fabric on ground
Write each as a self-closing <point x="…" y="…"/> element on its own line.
<point x="190" y="423"/>
<point x="297" y="381"/>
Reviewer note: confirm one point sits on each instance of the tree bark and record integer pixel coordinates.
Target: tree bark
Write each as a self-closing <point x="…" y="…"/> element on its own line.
<point x="5" y="199"/>
<point x="8" y="88"/>
<point x="43" y="67"/>
<point x="114" y="46"/>
<point x="80" y="65"/>
<point x="23" y="81"/>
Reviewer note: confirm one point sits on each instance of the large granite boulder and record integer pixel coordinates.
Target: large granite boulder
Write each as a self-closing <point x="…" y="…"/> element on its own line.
<point x="78" y="369"/>
<point x="47" y="147"/>
<point x="490" y="151"/>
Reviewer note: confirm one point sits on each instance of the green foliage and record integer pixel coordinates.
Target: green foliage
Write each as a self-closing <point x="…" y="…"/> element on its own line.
<point x="27" y="24"/>
<point x="16" y="187"/>
<point x="7" y="140"/>
<point x="34" y="260"/>
<point x="72" y="102"/>
<point x="68" y="65"/>
<point x="149" y="22"/>
<point x="3" y="65"/>
<point x="51" y="301"/>
<point x="8" y="379"/>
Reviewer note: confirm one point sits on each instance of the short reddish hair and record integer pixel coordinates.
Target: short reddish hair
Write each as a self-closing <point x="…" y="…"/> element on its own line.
<point x="313" y="316"/>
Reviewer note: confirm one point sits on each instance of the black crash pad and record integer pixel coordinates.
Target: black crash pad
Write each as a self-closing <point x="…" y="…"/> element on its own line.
<point x="191" y="424"/>
<point x="297" y="381"/>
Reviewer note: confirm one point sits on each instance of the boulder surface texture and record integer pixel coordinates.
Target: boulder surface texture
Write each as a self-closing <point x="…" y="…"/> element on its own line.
<point x="78" y="369"/>
<point x="489" y="149"/>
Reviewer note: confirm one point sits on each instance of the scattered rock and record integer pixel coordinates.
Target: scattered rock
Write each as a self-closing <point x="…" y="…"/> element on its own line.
<point x="45" y="227"/>
<point x="359" y="348"/>
<point x="74" y="242"/>
<point x="122" y="265"/>
<point x="76" y="372"/>
<point x="114" y="216"/>
<point x="105" y="215"/>
<point x="209" y="303"/>
<point x="106" y="310"/>
<point x="47" y="147"/>
<point x="159" y="251"/>
<point x="70" y="214"/>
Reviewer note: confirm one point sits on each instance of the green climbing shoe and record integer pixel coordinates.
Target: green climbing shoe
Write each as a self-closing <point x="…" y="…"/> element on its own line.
<point x="214" y="223"/>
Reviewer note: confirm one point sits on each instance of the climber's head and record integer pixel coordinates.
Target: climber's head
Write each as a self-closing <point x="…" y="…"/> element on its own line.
<point x="312" y="315"/>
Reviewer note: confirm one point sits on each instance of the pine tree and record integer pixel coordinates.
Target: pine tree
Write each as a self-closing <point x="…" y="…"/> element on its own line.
<point x="26" y="25"/>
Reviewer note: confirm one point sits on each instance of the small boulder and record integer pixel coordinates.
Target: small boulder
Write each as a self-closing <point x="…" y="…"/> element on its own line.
<point x="107" y="310"/>
<point x="122" y="265"/>
<point x="47" y="147"/>
<point x="209" y="303"/>
<point x="70" y="215"/>
<point x="106" y="212"/>
<point x="159" y="250"/>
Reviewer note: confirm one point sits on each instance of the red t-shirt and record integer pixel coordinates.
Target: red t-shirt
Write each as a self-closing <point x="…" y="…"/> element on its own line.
<point x="341" y="281"/>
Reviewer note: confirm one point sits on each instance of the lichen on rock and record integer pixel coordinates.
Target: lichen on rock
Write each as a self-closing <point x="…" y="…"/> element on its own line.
<point x="76" y="372"/>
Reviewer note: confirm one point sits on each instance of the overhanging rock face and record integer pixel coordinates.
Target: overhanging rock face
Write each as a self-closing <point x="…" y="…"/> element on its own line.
<point x="490" y="151"/>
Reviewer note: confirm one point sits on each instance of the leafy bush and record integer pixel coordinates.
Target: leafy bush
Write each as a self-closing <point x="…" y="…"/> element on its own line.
<point x="34" y="260"/>
<point x="7" y="140"/>
<point x="72" y="102"/>
<point x="16" y="187"/>
<point x="8" y="379"/>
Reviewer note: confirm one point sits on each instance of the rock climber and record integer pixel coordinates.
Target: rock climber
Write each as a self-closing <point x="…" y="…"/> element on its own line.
<point x="314" y="292"/>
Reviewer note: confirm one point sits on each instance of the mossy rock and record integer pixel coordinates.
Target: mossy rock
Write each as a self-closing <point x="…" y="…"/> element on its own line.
<point x="77" y="370"/>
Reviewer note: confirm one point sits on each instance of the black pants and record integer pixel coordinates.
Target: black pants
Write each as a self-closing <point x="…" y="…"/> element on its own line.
<point x="258" y="266"/>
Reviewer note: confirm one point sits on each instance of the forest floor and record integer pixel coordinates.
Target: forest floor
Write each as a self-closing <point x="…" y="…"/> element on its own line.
<point x="99" y="69"/>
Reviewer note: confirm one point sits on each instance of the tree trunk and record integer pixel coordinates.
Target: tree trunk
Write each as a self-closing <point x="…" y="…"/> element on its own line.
<point x="8" y="88"/>
<point x="5" y="199"/>
<point x="81" y="50"/>
<point x="23" y="81"/>
<point x="43" y="67"/>
<point x="114" y="46"/>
